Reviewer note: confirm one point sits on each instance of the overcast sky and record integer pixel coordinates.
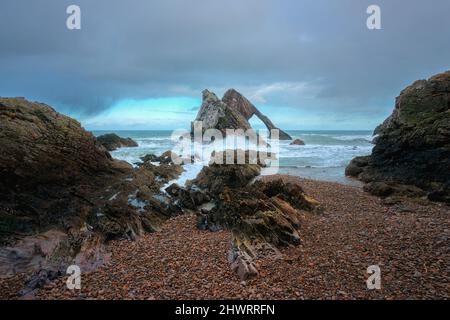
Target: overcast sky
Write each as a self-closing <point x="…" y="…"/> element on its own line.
<point x="142" y="64"/>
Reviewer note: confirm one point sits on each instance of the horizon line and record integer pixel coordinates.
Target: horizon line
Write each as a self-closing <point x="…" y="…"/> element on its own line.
<point x="253" y="128"/>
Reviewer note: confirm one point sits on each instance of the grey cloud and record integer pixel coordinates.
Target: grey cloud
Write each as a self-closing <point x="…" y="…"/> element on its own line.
<point x="144" y="49"/>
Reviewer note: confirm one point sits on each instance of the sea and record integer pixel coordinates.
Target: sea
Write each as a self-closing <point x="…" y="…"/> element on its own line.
<point x="323" y="157"/>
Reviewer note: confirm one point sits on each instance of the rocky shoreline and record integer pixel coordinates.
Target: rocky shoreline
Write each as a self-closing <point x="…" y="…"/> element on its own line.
<point x="228" y="233"/>
<point x="408" y="240"/>
<point x="65" y="198"/>
<point x="411" y="156"/>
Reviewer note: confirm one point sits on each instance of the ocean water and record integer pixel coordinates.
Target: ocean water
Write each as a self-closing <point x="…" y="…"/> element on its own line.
<point x="323" y="157"/>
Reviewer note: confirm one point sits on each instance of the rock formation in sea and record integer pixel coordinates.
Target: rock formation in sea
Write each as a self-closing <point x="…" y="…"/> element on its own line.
<point x="232" y="112"/>
<point x="62" y="195"/>
<point x="112" y="141"/>
<point x="297" y="142"/>
<point x="262" y="216"/>
<point x="411" y="155"/>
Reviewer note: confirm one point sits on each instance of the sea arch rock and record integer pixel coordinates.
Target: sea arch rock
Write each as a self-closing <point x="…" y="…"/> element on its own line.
<point x="233" y="111"/>
<point x="241" y="104"/>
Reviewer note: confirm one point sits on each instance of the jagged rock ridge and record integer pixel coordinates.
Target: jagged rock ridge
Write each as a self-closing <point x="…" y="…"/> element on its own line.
<point x="262" y="216"/>
<point x="232" y="112"/>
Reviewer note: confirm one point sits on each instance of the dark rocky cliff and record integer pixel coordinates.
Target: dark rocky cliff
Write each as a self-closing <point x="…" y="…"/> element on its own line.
<point x="412" y="150"/>
<point x="62" y="195"/>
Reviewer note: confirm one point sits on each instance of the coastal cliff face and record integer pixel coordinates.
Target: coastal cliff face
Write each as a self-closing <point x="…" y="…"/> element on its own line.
<point x="41" y="146"/>
<point x="232" y="112"/>
<point x="62" y="195"/>
<point x="412" y="151"/>
<point x="45" y="156"/>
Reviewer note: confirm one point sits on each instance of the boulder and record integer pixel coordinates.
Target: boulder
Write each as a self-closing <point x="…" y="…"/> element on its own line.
<point x="412" y="148"/>
<point x="356" y="166"/>
<point x="150" y="158"/>
<point x="216" y="177"/>
<point x="165" y="158"/>
<point x="241" y="262"/>
<point x="297" y="142"/>
<point x="442" y="194"/>
<point x="386" y="189"/>
<point x="189" y="198"/>
<point x="163" y="172"/>
<point x="112" y="141"/>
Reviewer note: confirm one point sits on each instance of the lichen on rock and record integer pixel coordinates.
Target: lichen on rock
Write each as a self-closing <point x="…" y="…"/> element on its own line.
<point x="63" y="194"/>
<point x="411" y="155"/>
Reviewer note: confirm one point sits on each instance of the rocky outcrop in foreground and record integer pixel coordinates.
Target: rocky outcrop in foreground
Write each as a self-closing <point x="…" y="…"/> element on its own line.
<point x="412" y="151"/>
<point x="262" y="216"/>
<point x="112" y="141"/>
<point x="62" y="195"/>
<point x="232" y="112"/>
<point x="408" y="240"/>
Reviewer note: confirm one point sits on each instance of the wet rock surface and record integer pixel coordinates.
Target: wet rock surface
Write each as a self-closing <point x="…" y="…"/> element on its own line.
<point x="409" y="241"/>
<point x="165" y="158"/>
<point x="262" y="216"/>
<point x="297" y="142"/>
<point x="112" y="141"/>
<point x="215" y="177"/>
<point x="45" y="159"/>
<point x="412" y="149"/>
<point x="62" y="196"/>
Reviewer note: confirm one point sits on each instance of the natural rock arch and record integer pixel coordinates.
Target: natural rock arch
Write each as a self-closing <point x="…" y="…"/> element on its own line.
<point x="238" y="102"/>
<point x="232" y="112"/>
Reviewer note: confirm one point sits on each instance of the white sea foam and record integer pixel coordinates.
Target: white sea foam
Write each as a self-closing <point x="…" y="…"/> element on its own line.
<point x="367" y="138"/>
<point x="322" y="150"/>
<point x="190" y="172"/>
